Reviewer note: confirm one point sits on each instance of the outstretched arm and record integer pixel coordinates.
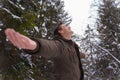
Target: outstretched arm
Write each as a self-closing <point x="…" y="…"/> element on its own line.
<point x="20" y="40"/>
<point x="42" y="47"/>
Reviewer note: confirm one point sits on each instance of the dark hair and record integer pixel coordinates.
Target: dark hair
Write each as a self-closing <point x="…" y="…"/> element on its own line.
<point x="56" y="33"/>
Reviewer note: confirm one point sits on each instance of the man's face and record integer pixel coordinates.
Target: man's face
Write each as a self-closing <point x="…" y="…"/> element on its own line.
<point x="65" y="30"/>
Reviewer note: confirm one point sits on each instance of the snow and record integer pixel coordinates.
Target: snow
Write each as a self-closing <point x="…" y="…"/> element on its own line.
<point x="18" y="5"/>
<point x="18" y="0"/>
<point x="1" y="5"/>
<point x="36" y="28"/>
<point x="12" y="3"/>
<point x="40" y="2"/>
<point x="14" y="16"/>
<point x="114" y="43"/>
<point x="1" y="24"/>
<point x="118" y="46"/>
<point x="21" y="7"/>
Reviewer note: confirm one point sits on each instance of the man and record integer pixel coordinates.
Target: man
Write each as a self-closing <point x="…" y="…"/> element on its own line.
<point x="64" y="52"/>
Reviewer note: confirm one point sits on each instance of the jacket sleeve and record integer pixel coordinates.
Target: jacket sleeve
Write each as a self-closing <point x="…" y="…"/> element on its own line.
<point x="46" y="48"/>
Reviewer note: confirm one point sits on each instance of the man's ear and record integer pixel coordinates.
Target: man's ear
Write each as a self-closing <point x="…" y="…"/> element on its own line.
<point x="60" y="31"/>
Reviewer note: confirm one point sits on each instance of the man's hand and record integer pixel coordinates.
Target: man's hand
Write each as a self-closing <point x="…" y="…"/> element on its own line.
<point x="20" y="40"/>
<point x="86" y="55"/>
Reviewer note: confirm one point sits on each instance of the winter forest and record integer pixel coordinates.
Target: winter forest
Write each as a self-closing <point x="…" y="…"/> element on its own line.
<point x="38" y="18"/>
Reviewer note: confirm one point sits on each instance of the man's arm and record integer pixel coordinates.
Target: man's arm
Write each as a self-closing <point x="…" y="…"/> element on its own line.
<point x="20" y="40"/>
<point x="48" y="48"/>
<point x="42" y="47"/>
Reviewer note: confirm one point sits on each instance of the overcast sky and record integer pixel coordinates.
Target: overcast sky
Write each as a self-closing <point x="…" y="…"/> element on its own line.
<point x="79" y="11"/>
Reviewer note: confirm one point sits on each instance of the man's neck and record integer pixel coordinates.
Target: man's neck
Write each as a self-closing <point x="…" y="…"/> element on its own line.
<point x="67" y="37"/>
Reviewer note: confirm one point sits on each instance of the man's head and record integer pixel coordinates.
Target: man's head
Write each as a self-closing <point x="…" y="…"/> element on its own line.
<point x="63" y="30"/>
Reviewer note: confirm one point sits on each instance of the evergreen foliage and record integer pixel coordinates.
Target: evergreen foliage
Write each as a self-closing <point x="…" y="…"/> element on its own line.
<point x="33" y="18"/>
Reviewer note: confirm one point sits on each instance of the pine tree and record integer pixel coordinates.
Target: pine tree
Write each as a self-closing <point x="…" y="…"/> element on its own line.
<point x="108" y="28"/>
<point x="33" y="18"/>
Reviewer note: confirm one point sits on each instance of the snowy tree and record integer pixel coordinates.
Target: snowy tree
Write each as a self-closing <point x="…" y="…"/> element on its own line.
<point x="108" y="27"/>
<point x="33" y="18"/>
<point x="101" y="41"/>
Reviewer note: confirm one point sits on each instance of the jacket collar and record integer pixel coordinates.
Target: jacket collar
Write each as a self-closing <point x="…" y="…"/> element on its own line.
<point x="60" y="37"/>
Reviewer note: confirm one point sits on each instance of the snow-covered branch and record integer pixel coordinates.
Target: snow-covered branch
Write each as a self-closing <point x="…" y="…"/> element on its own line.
<point x="14" y="16"/>
<point x="107" y="52"/>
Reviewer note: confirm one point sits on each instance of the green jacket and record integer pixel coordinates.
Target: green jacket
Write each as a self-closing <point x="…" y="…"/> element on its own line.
<point x="66" y="57"/>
